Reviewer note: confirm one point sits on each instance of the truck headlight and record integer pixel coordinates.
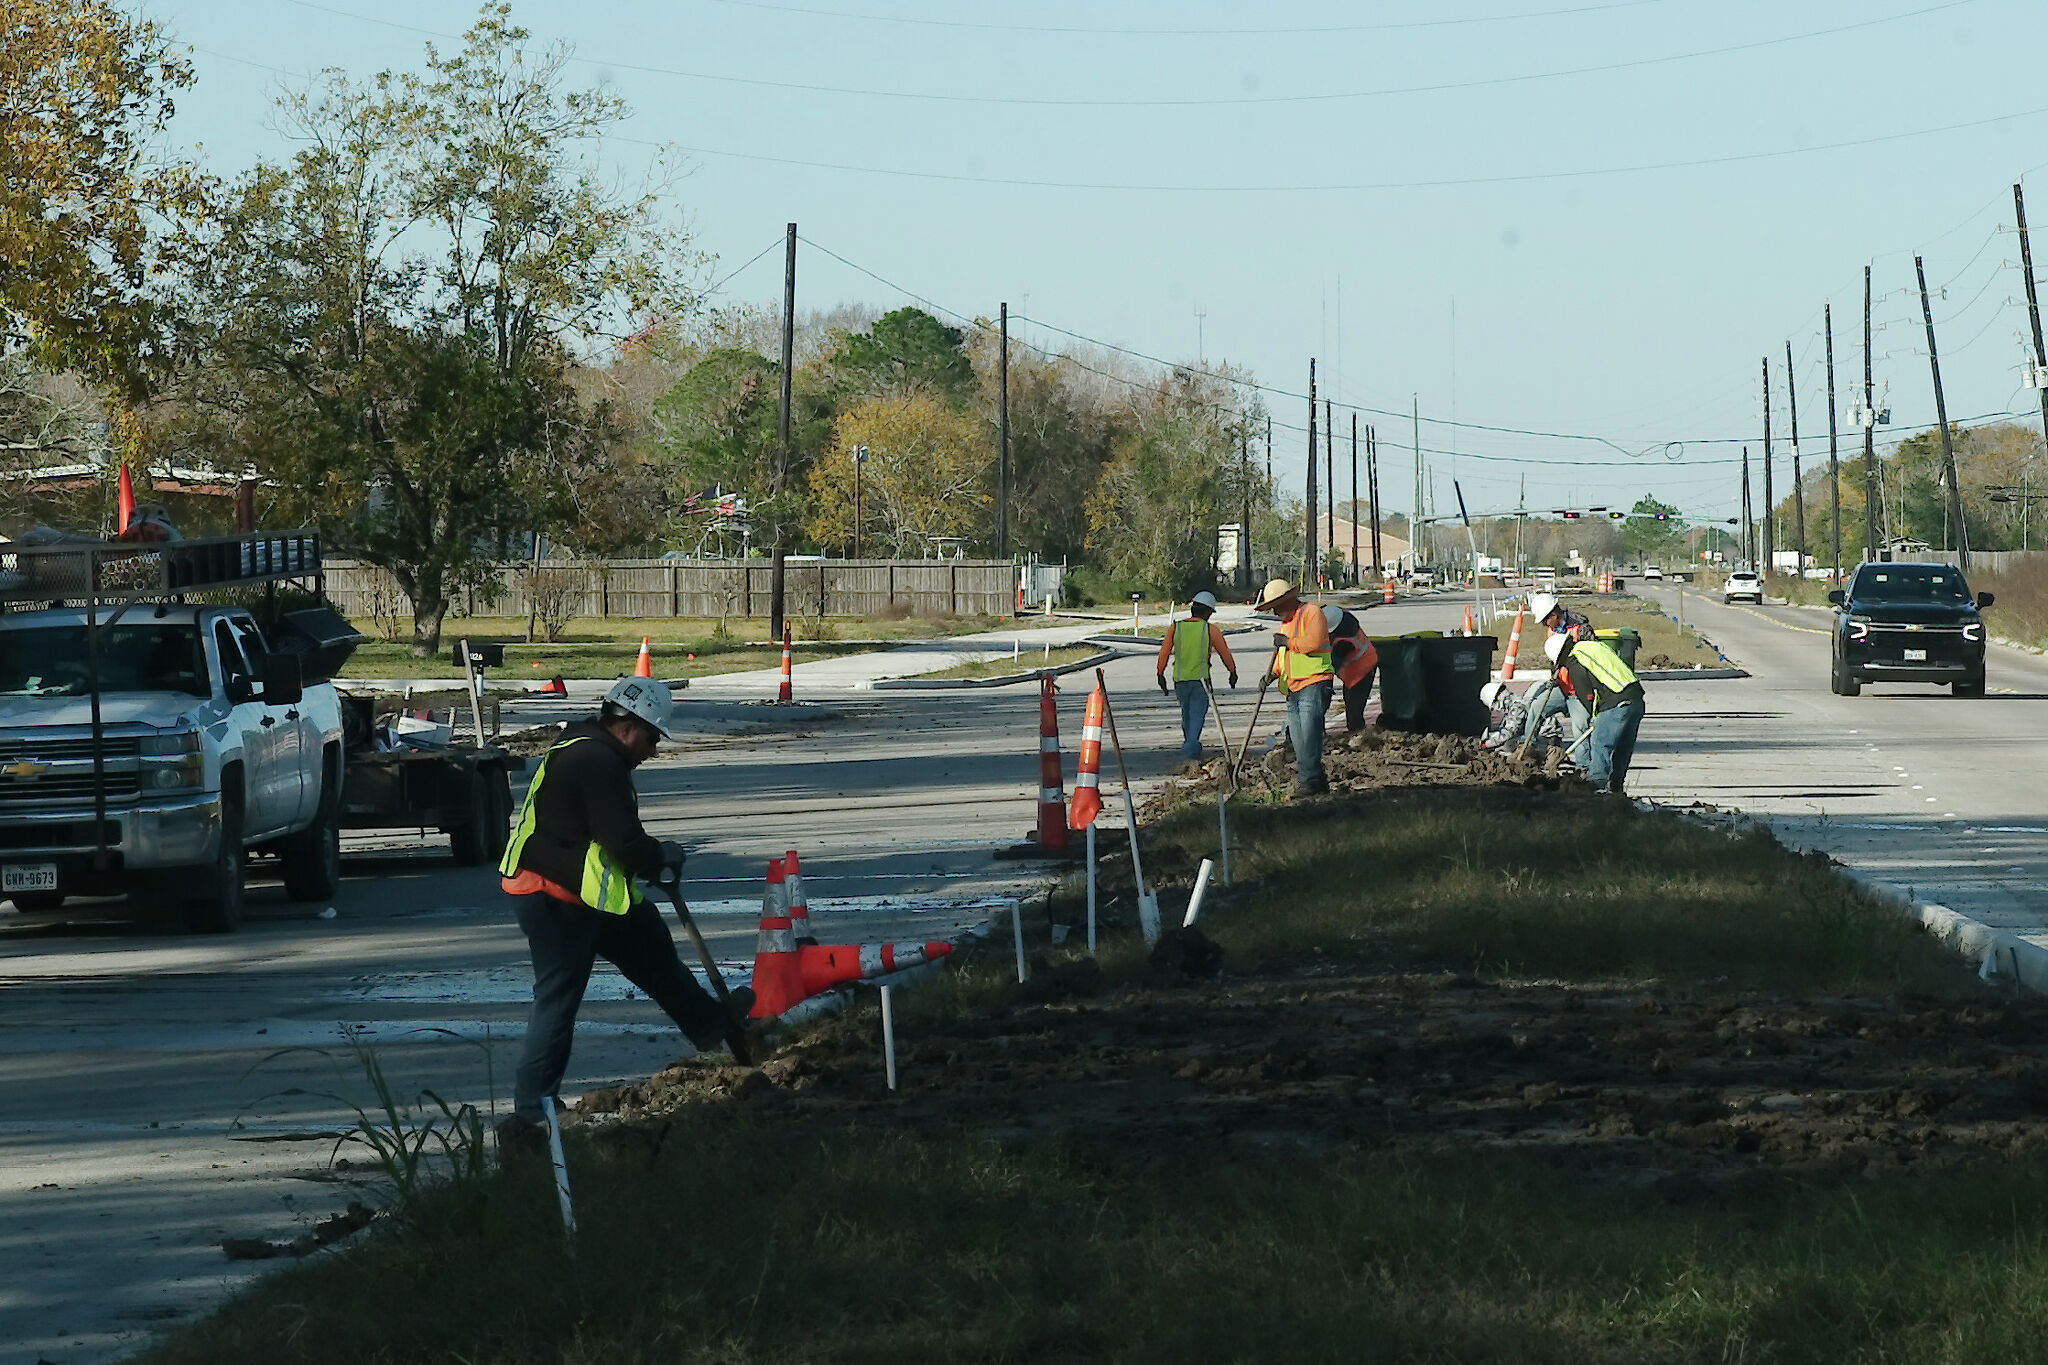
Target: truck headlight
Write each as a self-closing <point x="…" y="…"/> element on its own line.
<point x="172" y="761"/>
<point x="1973" y="633"/>
<point x="1859" y="630"/>
<point x="170" y="743"/>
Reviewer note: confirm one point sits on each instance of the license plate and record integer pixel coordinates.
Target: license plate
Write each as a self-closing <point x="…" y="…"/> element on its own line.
<point x="28" y="877"/>
<point x="1916" y="656"/>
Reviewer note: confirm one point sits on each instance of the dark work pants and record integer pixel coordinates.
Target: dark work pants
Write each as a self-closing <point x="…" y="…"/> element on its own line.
<point x="1355" y="699"/>
<point x="565" y="941"/>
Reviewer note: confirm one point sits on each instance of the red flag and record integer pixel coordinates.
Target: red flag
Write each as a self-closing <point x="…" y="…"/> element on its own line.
<point x="124" y="503"/>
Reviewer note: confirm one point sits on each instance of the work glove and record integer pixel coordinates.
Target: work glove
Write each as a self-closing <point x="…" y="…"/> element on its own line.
<point x="1162" y="681"/>
<point x="673" y="855"/>
<point x="1233" y="681"/>
<point x="1265" y="682"/>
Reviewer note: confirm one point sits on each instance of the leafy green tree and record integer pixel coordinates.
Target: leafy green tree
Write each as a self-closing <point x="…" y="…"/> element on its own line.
<point x="1153" y="514"/>
<point x="926" y="476"/>
<point x="1652" y="531"/>
<point x="386" y="324"/>
<point x="719" y="426"/>
<point x="904" y="352"/>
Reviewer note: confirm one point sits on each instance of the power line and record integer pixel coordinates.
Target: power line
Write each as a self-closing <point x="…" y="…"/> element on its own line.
<point x="1077" y="31"/>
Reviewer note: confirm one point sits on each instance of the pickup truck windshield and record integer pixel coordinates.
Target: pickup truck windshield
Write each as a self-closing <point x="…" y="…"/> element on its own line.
<point x="1910" y="583"/>
<point x="148" y="656"/>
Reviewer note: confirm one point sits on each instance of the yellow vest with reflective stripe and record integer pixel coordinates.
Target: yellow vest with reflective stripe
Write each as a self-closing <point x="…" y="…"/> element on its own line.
<point x="1603" y="663"/>
<point x="1303" y="666"/>
<point x="1190" y="650"/>
<point x="606" y="886"/>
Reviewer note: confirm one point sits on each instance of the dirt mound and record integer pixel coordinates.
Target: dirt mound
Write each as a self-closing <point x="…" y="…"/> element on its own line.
<point x="1630" y="1083"/>
<point x="1370" y="760"/>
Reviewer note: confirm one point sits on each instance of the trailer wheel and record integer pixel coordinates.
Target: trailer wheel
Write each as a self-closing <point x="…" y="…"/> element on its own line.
<point x="471" y="840"/>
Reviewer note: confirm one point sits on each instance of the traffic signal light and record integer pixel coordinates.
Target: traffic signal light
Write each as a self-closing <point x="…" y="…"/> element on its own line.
<point x="1570" y="516"/>
<point x="1616" y="516"/>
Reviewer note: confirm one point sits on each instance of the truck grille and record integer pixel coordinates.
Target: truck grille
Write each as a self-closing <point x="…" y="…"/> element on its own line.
<point x="51" y="750"/>
<point x="67" y="787"/>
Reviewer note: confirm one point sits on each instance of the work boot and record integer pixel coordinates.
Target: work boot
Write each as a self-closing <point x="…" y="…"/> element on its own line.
<point x="1301" y="789"/>
<point x="520" y="1140"/>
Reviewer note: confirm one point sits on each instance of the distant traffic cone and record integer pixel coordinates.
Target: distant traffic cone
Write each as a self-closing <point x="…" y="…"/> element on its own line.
<point x="799" y="903"/>
<point x="1387" y="593"/>
<point x="785" y="692"/>
<point x="1468" y="622"/>
<point x="821" y="968"/>
<point x="1088" y="778"/>
<point x="778" y="977"/>
<point x="555" y="687"/>
<point x="644" y="668"/>
<point x="1052" y="798"/>
<point x="1507" y="664"/>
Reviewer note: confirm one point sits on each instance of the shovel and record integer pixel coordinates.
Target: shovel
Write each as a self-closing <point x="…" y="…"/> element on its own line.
<point x="670" y="883"/>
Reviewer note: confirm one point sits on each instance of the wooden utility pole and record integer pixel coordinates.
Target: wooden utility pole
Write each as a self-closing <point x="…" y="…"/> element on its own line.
<point x="1948" y="443"/>
<point x="1308" y="574"/>
<point x="1330" y="469"/>
<point x="1872" y="491"/>
<point x="1269" y="456"/>
<point x="1748" y="528"/>
<point x="1798" y="484"/>
<point x="1354" y="500"/>
<point x="1415" y="558"/>
<point x="1003" y="440"/>
<point x="1827" y="313"/>
<point x="1372" y="485"/>
<point x="1244" y="543"/>
<point x="2019" y="205"/>
<point x="778" y="578"/>
<point x="1770" y="508"/>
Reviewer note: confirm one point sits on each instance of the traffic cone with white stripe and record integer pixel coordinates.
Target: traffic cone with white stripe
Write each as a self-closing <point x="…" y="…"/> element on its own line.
<point x="785" y="693"/>
<point x="1052" y="796"/>
<point x="778" y="975"/>
<point x="1468" y="621"/>
<point x="1087" y="802"/>
<point x="799" y="904"/>
<point x="1387" y="593"/>
<point x="1507" y="664"/>
<point x="822" y="968"/>
<point x="644" y="667"/>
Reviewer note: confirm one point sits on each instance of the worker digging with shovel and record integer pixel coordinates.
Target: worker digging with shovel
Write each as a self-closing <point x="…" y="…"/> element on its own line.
<point x="569" y="869"/>
<point x="1302" y="667"/>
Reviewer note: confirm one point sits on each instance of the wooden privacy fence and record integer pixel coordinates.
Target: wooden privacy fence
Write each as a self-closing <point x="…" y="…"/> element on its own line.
<point x="708" y="587"/>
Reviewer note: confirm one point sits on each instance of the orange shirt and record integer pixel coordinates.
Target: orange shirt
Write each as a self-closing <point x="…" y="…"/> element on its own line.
<point x="527" y="882"/>
<point x="1307" y="633"/>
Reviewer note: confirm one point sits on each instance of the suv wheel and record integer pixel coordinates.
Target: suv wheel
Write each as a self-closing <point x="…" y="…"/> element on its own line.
<point x="1844" y="681"/>
<point x="312" y="857"/>
<point x="221" y="912"/>
<point x="1973" y="688"/>
<point x="471" y="841"/>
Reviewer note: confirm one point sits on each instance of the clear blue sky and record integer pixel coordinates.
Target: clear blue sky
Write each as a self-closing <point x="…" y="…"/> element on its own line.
<point x="1108" y="169"/>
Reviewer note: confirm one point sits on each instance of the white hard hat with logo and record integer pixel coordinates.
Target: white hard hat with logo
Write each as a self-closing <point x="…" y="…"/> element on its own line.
<point x="1554" y="645"/>
<point x="1541" y="604"/>
<point x="1490" y="693"/>
<point x="645" y="699"/>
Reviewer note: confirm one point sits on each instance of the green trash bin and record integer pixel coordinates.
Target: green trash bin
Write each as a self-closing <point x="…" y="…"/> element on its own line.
<point x="1625" y="641"/>
<point x="1454" y="668"/>
<point x="1404" y="699"/>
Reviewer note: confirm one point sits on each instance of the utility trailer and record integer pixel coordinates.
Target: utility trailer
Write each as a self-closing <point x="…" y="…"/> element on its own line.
<point x="465" y="791"/>
<point x="167" y="709"/>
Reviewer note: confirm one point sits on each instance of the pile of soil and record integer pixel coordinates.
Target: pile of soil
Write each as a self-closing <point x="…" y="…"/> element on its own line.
<point x="1370" y="760"/>
<point x="1685" y="1095"/>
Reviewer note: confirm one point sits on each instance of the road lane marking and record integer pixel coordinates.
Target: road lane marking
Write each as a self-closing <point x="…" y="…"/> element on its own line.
<point x="1810" y="630"/>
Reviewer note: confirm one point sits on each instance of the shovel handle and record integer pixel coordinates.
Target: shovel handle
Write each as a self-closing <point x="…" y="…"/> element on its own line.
<point x="669" y="882"/>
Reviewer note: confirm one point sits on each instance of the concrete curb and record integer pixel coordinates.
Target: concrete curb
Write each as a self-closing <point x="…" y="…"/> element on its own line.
<point x="1006" y="680"/>
<point x="1996" y="952"/>
<point x="1691" y="674"/>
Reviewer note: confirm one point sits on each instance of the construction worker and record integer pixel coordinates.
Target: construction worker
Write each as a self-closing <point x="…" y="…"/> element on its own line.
<point x="1546" y="699"/>
<point x="1188" y="645"/>
<point x="1355" y="659"/>
<point x="569" y="869"/>
<point x="1506" y="715"/>
<point x="1303" y="668"/>
<point x="1613" y="698"/>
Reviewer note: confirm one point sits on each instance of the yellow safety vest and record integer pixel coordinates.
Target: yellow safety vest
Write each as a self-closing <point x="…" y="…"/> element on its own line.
<point x="1603" y="663"/>
<point x="1190" y="650"/>
<point x="1303" y="666"/>
<point x="606" y="885"/>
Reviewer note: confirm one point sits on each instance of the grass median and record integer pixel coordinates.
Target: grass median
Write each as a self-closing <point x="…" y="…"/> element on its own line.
<point x="1502" y="1075"/>
<point x="683" y="647"/>
<point x="1665" y="643"/>
<point x="1022" y="662"/>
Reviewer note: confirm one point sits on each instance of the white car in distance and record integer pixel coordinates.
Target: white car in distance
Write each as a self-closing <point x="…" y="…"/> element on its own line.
<point x="1742" y="586"/>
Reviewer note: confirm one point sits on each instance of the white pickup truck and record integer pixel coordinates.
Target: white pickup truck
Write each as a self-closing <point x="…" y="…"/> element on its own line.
<point x="210" y="747"/>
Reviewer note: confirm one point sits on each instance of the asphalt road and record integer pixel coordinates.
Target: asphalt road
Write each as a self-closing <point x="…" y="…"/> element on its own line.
<point x="159" y="1092"/>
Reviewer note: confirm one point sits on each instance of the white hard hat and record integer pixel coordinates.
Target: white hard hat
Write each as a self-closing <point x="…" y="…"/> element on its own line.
<point x="1541" y="604"/>
<point x="1332" y="617"/>
<point x="1491" y="692"/>
<point x="1204" y="599"/>
<point x="647" y="698"/>
<point x="1553" y="645"/>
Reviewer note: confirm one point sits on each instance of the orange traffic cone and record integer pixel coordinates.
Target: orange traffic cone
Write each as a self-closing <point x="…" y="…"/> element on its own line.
<point x="124" y="502"/>
<point x="1468" y="621"/>
<point x="785" y="693"/>
<point x="555" y="687"/>
<point x="1052" y="798"/>
<point x="793" y="895"/>
<point x="1507" y="664"/>
<point x="822" y="968"/>
<point x="644" y="668"/>
<point x="1088" y="780"/>
<point x="778" y="979"/>
<point x="1387" y="592"/>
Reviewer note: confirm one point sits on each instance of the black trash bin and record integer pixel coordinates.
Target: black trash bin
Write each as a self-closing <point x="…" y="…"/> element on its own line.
<point x="1624" y="641"/>
<point x="1404" y="698"/>
<point x="1454" y="668"/>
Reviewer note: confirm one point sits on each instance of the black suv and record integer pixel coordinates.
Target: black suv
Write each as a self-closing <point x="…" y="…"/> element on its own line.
<point x="1908" y="623"/>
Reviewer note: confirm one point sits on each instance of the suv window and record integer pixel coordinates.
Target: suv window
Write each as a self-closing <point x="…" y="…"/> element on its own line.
<point x="50" y="661"/>
<point x="1909" y="583"/>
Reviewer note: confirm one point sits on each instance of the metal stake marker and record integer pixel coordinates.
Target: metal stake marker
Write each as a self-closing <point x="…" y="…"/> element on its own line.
<point x="1223" y="793"/>
<point x="547" y="1109"/>
<point x="1017" y="928"/>
<point x="1091" y="886"/>
<point x="889" y="1033"/>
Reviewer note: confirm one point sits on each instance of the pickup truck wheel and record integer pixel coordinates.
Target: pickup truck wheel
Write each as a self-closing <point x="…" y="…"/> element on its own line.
<point x="470" y="841"/>
<point x="312" y="858"/>
<point x="221" y="912"/>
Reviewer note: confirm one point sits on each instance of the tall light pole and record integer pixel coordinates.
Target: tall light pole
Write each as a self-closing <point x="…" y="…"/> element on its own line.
<point x="860" y="457"/>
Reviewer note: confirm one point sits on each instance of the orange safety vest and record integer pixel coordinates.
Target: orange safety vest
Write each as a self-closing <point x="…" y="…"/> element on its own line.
<point x="1360" y="662"/>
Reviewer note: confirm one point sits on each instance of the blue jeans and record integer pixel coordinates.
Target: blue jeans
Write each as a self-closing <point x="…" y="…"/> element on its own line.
<point x="1194" y="714"/>
<point x="1613" y="744"/>
<point x="1305" y="711"/>
<point x="1545" y="700"/>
